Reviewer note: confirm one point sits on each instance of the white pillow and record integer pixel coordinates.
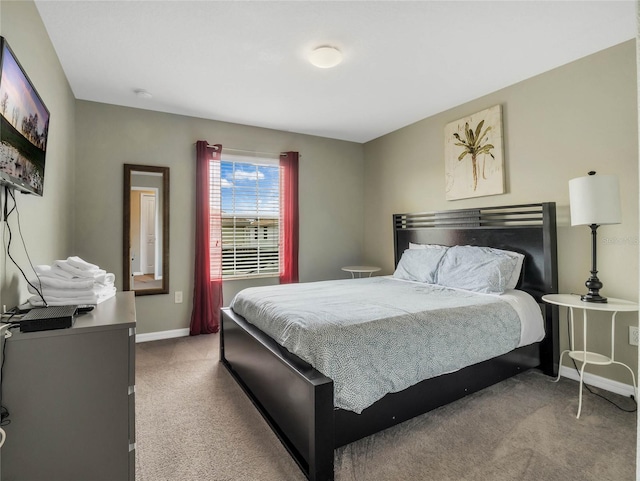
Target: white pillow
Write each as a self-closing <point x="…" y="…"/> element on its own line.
<point x="515" y="276"/>
<point x="419" y="265"/>
<point x="479" y="269"/>
<point x="426" y="246"/>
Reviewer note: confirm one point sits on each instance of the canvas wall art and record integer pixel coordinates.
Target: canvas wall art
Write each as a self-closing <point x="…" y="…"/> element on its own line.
<point x="474" y="163"/>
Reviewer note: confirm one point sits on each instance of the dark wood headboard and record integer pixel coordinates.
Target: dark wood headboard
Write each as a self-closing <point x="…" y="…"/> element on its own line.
<point x="529" y="229"/>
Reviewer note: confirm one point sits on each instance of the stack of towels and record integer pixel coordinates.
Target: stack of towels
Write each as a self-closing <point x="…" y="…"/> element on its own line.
<point x="71" y="281"/>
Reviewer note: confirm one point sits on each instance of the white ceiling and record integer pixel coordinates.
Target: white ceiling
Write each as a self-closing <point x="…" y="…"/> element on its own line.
<point x="245" y="61"/>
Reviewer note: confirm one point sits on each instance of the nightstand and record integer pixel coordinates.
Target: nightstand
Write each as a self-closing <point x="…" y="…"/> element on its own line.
<point x="360" y="270"/>
<point x="572" y="301"/>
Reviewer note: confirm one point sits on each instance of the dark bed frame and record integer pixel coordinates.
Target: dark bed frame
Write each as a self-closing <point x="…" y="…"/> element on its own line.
<point x="297" y="400"/>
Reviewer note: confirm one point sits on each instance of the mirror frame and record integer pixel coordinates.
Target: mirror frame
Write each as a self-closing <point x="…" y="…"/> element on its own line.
<point x="126" y="217"/>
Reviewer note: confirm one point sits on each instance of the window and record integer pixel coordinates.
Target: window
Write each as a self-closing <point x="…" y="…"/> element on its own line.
<point x="250" y="197"/>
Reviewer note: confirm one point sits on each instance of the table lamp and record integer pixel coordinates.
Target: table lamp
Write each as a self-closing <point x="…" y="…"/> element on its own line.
<point x="594" y="201"/>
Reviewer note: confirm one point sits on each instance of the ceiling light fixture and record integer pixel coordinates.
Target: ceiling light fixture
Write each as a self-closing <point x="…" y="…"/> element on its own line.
<point x="325" y="57"/>
<point x="142" y="93"/>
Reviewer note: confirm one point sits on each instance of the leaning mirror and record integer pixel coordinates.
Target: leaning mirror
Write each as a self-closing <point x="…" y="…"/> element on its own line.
<point x="145" y="235"/>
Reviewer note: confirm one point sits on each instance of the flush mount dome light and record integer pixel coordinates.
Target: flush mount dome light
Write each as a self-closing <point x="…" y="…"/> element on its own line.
<point x="142" y="93"/>
<point x="325" y="57"/>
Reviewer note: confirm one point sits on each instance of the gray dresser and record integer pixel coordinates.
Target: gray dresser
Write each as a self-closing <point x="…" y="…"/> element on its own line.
<point x="71" y="398"/>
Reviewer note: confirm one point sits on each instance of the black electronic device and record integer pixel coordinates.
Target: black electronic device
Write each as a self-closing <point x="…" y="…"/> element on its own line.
<point x="47" y="318"/>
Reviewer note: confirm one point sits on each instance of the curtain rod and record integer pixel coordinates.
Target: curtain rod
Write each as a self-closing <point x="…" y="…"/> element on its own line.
<point x="256" y="152"/>
<point x="226" y="149"/>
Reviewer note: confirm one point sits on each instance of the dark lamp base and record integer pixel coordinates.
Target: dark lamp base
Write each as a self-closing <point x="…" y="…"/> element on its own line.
<point x="593" y="298"/>
<point x="593" y="284"/>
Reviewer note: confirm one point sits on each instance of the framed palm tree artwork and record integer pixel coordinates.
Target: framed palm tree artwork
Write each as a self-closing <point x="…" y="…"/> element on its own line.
<point x="474" y="162"/>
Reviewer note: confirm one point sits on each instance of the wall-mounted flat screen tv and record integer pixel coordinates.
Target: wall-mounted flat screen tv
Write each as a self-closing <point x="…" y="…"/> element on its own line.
<point x="24" y="127"/>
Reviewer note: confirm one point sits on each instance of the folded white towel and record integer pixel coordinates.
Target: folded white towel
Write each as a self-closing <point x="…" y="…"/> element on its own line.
<point x="42" y="269"/>
<point x="76" y="272"/>
<point x="54" y="271"/>
<point x="36" y="301"/>
<point x="81" y="264"/>
<point x="107" y="279"/>
<point x="67" y="293"/>
<point x="61" y="283"/>
<point x="58" y="278"/>
<point x="59" y="271"/>
<point x="51" y="271"/>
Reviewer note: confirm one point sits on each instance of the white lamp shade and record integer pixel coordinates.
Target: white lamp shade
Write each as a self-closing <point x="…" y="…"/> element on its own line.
<point x="595" y="199"/>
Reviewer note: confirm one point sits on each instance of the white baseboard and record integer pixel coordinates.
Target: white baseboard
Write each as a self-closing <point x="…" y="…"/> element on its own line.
<point x="598" y="381"/>
<point x="156" y="336"/>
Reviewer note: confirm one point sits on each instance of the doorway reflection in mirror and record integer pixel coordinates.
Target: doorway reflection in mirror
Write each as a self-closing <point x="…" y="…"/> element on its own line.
<point x="146" y="228"/>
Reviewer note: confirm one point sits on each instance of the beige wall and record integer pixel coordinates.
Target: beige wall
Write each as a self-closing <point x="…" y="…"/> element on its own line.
<point x="108" y="136"/>
<point x="557" y="126"/>
<point x="46" y="222"/>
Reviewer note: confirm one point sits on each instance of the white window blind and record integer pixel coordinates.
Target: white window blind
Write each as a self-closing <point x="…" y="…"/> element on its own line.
<point x="250" y="195"/>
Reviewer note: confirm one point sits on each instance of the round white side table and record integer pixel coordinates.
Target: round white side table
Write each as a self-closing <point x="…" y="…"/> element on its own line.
<point x="360" y="270"/>
<point x="572" y="301"/>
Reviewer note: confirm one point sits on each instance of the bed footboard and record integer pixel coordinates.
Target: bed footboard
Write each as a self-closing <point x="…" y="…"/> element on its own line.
<point x="294" y="399"/>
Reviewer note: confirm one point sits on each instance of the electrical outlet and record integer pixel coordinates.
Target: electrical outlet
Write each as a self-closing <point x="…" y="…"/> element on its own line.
<point x="633" y="335"/>
<point x="178" y="299"/>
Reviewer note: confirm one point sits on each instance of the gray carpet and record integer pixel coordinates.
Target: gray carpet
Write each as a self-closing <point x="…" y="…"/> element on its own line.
<point x="194" y="423"/>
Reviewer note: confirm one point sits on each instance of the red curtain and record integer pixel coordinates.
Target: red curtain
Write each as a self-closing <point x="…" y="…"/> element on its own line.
<point x="207" y="291"/>
<point x="289" y="217"/>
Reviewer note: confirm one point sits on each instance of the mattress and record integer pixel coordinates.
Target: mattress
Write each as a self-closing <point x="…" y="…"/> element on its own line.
<point x="373" y="336"/>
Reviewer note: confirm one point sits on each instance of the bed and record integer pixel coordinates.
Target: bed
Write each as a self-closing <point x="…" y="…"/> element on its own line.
<point x="298" y="400"/>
